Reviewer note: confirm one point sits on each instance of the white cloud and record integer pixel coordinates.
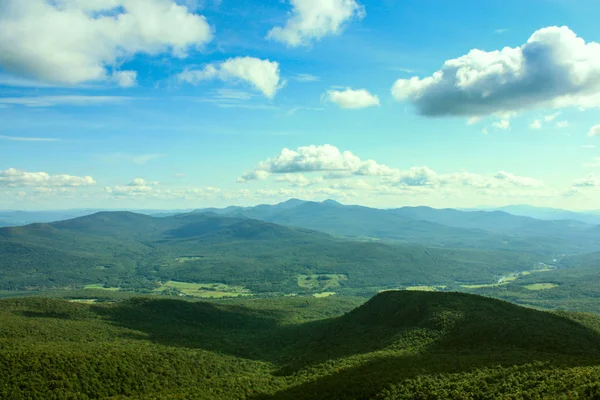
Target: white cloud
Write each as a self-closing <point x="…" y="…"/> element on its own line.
<point x="72" y="100"/>
<point x="594" y="131"/>
<point x="311" y="20"/>
<point x="469" y="179"/>
<point x="418" y="176"/>
<point x="536" y="124"/>
<point x="562" y="124"/>
<point x="588" y="146"/>
<point x="516" y="180"/>
<point x="257" y="175"/>
<point x="355" y="184"/>
<point x="28" y="139"/>
<point x="589" y="181"/>
<point x="426" y="177"/>
<point x="17" y="178"/>
<point x="551" y="117"/>
<point x="307" y="78"/>
<point x="125" y="78"/>
<point x="263" y="75"/>
<point x="237" y="194"/>
<point x="267" y="193"/>
<point x="137" y="186"/>
<point x="555" y="68"/>
<point x="503" y="124"/>
<point x="325" y="158"/>
<point x="75" y="41"/>
<point x="298" y="180"/>
<point x="352" y="99"/>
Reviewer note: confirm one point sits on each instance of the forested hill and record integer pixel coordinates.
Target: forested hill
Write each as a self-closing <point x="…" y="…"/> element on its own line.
<point x="134" y="251"/>
<point x="429" y="226"/>
<point x="398" y="345"/>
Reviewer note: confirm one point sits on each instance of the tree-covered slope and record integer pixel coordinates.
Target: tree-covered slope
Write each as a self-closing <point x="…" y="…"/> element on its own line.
<point x="398" y="345"/>
<point x="431" y="227"/>
<point x="137" y="251"/>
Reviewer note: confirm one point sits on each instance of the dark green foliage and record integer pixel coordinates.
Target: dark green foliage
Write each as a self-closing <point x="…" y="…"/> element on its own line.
<point x="398" y="345"/>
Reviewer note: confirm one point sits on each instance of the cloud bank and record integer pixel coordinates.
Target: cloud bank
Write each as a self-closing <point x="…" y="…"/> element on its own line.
<point x="73" y="41"/>
<point x="555" y="68"/>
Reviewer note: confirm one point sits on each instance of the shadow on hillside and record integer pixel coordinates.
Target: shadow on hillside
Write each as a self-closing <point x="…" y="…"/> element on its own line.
<point x="46" y="314"/>
<point x="223" y="328"/>
<point x="454" y="324"/>
<point x="371" y="377"/>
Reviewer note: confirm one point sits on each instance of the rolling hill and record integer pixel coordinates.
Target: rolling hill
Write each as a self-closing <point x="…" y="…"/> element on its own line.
<point x="134" y="251"/>
<point x="430" y="227"/>
<point x="398" y="345"/>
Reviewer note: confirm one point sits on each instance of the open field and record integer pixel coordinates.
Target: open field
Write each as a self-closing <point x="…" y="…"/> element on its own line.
<point x="541" y="286"/>
<point x="186" y="259"/>
<point x="202" y="290"/>
<point x="101" y="287"/>
<point x="321" y="281"/>
<point x="425" y="288"/>
<point x="324" y="294"/>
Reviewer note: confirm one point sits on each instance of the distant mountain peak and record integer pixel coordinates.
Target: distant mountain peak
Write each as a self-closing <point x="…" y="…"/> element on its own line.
<point x="332" y="202"/>
<point x="291" y="203"/>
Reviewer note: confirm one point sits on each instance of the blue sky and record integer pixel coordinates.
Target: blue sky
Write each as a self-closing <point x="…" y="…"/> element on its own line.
<point x="163" y="104"/>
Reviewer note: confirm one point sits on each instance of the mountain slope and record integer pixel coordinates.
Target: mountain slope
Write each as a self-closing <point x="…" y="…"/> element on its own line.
<point x="397" y="345"/>
<point x="138" y="251"/>
<point x="551" y="213"/>
<point x="430" y="227"/>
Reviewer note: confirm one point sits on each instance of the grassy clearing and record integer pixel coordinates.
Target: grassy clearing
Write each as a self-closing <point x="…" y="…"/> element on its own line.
<point x="324" y="294"/>
<point x="321" y="282"/>
<point x="101" y="287"/>
<point x="202" y="290"/>
<point x="182" y="260"/>
<point x="85" y="301"/>
<point x="484" y="286"/>
<point x="425" y="288"/>
<point x="508" y="279"/>
<point x="540" y="286"/>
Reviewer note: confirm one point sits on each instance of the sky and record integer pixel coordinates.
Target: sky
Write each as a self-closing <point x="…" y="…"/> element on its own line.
<point x="177" y="104"/>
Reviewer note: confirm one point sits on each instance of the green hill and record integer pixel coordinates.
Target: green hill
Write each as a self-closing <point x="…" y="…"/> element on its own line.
<point x="430" y="227"/>
<point x="398" y="345"/>
<point x="139" y="252"/>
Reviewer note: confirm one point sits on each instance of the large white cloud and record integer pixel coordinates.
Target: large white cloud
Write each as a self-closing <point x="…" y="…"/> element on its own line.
<point x="594" y="131"/>
<point x="325" y="158"/>
<point x="352" y="99"/>
<point x="17" y="178"/>
<point x="75" y="41"/>
<point x="312" y="20"/>
<point x="263" y="75"/>
<point x="555" y="68"/>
